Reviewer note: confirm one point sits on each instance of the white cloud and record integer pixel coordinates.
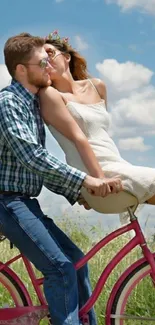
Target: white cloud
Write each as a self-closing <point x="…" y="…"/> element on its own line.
<point x="131" y="97"/>
<point x="126" y="76"/>
<point x="80" y="43"/>
<point x="134" y="114"/>
<point x="147" y="6"/>
<point x="136" y="144"/>
<point x="5" y="77"/>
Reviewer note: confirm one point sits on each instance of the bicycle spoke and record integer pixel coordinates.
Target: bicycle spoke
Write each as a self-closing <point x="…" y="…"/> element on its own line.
<point x="133" y="317"/>
<point x="6" y="301"/>
<point x="141" y="302"/>
<point x="135" y="300"/>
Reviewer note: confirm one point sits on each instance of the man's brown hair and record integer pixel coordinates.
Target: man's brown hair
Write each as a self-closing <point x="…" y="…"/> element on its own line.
<point x="19" y="49"/>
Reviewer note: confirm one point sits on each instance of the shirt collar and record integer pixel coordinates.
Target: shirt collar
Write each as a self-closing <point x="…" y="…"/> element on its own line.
<point x="21" y="91"/>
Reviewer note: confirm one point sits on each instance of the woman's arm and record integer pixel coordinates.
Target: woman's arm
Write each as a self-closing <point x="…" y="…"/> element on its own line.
<point x="55" y="113"/>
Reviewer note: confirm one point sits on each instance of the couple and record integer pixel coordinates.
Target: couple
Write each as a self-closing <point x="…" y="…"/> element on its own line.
<point x="74" y="109"/>
<point x="26" y="165"/>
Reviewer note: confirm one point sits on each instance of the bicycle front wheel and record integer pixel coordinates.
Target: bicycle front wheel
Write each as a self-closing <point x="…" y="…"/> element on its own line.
<point x="134" y="302"/>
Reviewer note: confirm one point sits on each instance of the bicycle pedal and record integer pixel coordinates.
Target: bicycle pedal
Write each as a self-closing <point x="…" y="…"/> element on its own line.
<point x="85" y="320"/>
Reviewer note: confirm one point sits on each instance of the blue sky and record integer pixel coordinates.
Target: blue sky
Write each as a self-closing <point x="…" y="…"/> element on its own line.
<point x="117" y="39"/>
<point x="107" y="30"/>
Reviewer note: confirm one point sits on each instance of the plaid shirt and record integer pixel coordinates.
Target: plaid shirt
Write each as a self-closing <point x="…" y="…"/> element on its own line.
<point x="25" y="164"/>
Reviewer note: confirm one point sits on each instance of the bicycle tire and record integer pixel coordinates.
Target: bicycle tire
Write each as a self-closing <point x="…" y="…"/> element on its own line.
<point x="16" y="293"/>
<point x="125" y="292"/>
<point x="13" y="289"/>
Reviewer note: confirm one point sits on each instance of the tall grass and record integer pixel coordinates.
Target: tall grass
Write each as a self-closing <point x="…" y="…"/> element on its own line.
<point x="141" y="298"/>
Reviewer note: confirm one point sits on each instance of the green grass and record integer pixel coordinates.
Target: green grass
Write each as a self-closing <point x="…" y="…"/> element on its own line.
<point x="142" y="301"/>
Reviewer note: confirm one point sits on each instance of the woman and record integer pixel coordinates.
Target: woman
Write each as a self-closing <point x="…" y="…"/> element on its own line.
<point x="74" y="109"/>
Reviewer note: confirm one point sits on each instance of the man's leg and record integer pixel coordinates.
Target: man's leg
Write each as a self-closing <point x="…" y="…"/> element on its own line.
<point x="74" y="254"/>
<point x="20" y="222"/>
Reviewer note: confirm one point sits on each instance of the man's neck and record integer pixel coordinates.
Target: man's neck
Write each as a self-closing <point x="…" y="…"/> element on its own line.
<point x="32" y="89"/>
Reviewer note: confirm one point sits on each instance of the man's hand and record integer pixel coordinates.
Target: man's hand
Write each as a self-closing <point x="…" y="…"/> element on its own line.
<point x="81" y="201"/>
<point x="102" y="187"/>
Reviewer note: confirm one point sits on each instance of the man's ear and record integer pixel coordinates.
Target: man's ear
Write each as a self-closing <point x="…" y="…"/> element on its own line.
<point x="20" y="69"/>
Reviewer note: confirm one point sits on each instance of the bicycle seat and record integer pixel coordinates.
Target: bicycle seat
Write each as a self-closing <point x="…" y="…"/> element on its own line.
<point x="111" y="204"/>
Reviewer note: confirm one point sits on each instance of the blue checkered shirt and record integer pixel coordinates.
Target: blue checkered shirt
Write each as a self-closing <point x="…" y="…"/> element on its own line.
<point x="25" y="164"/>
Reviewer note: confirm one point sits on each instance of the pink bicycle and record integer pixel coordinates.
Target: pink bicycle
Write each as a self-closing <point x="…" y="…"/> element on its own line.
<point x="23" y="311"/>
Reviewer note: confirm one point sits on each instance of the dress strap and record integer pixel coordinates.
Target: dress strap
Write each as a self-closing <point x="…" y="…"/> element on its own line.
<point x="94" y="87"/>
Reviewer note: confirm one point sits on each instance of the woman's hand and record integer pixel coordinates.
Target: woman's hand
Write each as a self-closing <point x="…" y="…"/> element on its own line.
<point x="115" y="184"/>
<point x="107" y="186"/>
<point x="102" y="186"/>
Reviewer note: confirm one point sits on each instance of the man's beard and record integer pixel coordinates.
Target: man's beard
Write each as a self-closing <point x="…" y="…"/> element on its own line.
<point x="38" y="82"/>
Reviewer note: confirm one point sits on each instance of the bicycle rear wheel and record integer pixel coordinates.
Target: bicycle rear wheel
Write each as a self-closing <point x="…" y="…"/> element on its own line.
<point x="134" y="302"/>
<point x="11" y="294"/>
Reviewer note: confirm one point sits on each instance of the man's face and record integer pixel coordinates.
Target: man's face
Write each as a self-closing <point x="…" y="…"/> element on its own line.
<point x="37" y="69"/>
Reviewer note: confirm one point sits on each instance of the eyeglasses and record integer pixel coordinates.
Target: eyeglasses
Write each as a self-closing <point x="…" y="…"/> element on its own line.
<point x="42" y="64"/>
<point x="53" y="53"/>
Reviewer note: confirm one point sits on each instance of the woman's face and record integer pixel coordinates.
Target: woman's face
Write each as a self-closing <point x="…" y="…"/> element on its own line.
<point x="59" y="62"/>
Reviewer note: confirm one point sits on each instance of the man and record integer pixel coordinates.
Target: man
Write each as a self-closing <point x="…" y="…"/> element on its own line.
<point x="25" y="166"/>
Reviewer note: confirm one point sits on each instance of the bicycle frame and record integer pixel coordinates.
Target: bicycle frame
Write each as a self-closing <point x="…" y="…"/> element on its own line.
<point x="36" y="282"/>
<point x="139" y="239"/>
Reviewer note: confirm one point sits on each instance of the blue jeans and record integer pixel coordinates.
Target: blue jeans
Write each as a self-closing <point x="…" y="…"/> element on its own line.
<point x="52" y="253"/>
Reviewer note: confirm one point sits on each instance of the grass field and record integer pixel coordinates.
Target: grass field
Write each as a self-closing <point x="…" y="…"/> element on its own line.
<point x="141" y="301"/>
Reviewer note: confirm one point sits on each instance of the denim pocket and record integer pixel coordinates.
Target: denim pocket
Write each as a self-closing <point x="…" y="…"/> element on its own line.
<point x="6" y="199"/>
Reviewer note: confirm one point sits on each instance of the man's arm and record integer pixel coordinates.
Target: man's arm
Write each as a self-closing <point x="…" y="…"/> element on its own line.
<point x="57" y="176"/>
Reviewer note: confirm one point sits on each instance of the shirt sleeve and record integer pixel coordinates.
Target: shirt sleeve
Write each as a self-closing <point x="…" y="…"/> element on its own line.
<point x="21" y="140"/>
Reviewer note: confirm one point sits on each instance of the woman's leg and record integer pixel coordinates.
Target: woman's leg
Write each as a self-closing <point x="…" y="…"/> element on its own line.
<point x="20" y="223"/>
<point x="151" y="200"/>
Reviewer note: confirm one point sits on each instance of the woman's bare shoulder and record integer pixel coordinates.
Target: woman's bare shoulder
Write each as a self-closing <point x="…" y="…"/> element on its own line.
<point x="49" y="92"/>
<point x="100" y="85"/>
